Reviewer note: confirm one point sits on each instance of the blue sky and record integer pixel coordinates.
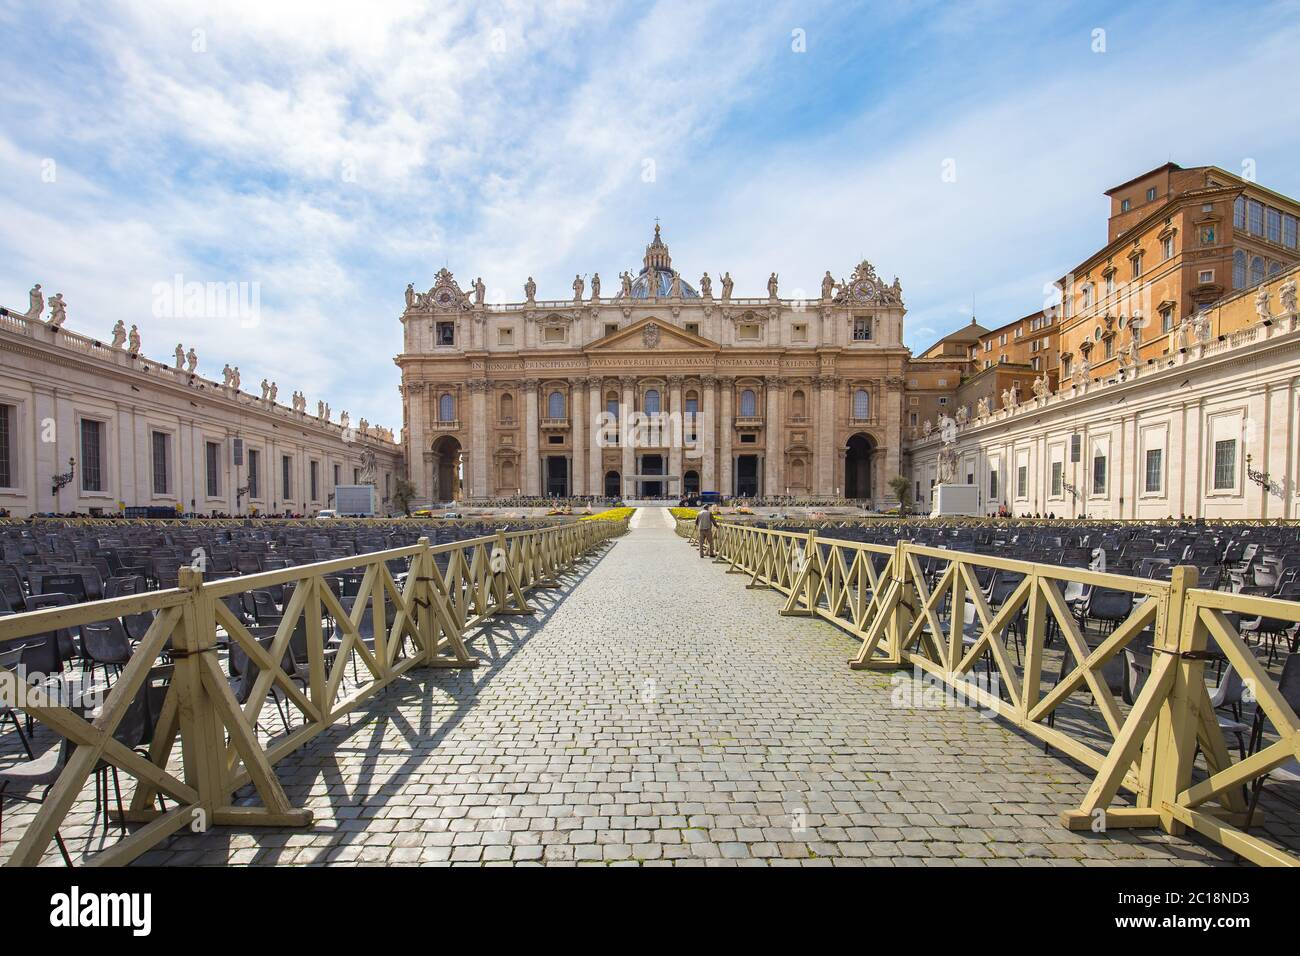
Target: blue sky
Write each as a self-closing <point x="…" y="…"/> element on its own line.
<point x="333" y="152"/>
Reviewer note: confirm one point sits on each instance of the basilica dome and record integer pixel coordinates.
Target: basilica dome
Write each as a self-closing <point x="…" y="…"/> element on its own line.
<point x="656" y="277"/>
<point x="663" y="285"/>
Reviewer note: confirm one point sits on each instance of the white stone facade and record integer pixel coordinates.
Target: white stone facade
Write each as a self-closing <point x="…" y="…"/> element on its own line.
<point x="152" y="434"/>
<point x="1211" y="430"/>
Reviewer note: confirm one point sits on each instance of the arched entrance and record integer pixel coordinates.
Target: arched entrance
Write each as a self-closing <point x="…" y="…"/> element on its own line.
<point x="859" y="459"/>
<point x="691" y="483"/>
<point x="613" y="485"/>
<point x="446" y="469"/>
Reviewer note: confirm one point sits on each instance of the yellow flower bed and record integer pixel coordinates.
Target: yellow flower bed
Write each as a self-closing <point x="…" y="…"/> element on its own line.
<point x="686" y="513"/>
<point x="611" y="514"/>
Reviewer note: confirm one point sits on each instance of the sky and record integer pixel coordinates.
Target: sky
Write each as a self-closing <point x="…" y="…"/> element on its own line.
<point x="326" y="154"/>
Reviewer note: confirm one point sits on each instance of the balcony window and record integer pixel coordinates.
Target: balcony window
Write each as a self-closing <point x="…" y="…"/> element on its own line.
<point x="861" y="404"/>
<point x="555" y="405"/>
<point x="651" y="401"/>
<point x="446" y="408"/>
<point x="862" y="328"/>
<point x="748" y="404"/>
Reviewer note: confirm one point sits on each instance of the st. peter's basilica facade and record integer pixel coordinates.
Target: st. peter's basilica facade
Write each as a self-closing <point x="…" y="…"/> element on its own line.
<point x="663" y="388"/>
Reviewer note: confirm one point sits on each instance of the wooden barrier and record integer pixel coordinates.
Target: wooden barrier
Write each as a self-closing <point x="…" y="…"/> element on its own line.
<point x="900" y="602"/>
<point x="419" y="620"/>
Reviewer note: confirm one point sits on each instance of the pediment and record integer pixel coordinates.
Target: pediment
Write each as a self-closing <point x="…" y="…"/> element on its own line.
<point x="652" y="334"/>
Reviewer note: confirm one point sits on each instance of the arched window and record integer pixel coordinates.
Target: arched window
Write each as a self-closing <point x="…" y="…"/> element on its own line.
<point x="748" y="404"/>
<point x="861" y="404"/>
<point x="1256" y="270"/>
<point x="555" y="405"/>
<point x="611" y="404"/>
<point x="1239" y="269"/>
<point x="652" y="401"/>
<point x="446" y="408"/>
<point x="1274" y="267"/>
<point x="797" y="404"/>
<point x="692" y="403"/>
<point x="507" y="407"/>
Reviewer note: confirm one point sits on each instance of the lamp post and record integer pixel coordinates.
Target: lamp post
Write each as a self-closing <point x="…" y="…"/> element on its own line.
<point x="64" y="479"/>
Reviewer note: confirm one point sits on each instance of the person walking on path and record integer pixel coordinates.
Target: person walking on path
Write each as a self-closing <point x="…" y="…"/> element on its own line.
<point x="704" y="529"/>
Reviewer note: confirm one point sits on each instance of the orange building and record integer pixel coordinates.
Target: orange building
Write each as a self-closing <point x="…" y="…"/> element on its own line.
<point x="1178" y="240"/>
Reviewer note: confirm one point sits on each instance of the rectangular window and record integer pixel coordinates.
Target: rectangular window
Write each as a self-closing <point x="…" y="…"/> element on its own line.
<point x="1225" y="464"/>
<point x="314" y="474"/>
<point x="160" y="443"/>
<point x="1205" y="276"/>
<point x="1151" y="194"/>
<point x="1168" y="246"/>
<point x="286" y="477"/>
<point x="1255" y="217"/>
<point x="6" y="448"/>
<point x="799" y="333"/>
<point x="505" y="337"/>
<point x="1099" y="474"/>
<point x="862" y="328"/>
<point x="212" y="468"/>
<point x="1058" y="478"/>
<point x="254" y="473"/>
<point x="1110" y="347"/>
<point x="1239" y="213"/>
<point x="1125" y="205"/>
<point x="446" y="332"/>
<point x="1166" y="320"/>
<point x="337" y="476"/>
<point x="993" y="484"/>
<point x="1155" y="469"/>
<point x="356" y="476"/>
<point x="1137" y="267"/>
<point x="611" y="328"/>
<point x="694" y="327"/>
<point x="748" y="331"/>
<point x="92" y="455"/>
<point x="1022" y="481"/>
<point x="1273" y="225"/>
<point x="1289" y="228"/>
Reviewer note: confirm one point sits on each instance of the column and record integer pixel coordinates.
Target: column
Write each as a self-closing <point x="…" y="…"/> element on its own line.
<point x="577" y="402"/>
<point x="825" y="439"/>
<point x="726" y="459"/>
<point x="532" y="465"/>
<point x="478" y="478"/>
<point x="596" y="466"/>
<point x="705" y="428"/>
<point x="893" y="429"/>
<point x="772" y="430"/>
<point x="675" y="466"/>
<point x="625" y="410"/>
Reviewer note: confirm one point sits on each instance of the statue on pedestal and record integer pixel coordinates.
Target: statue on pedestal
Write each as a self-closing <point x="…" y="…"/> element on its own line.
<point x="1261" y="305"/>
<point x="36" y="302"/>
<point x="706" y="286"/>
<point x="828" y="285"/>
<point x="676" y="289"/>
<point x="58" y="312"/>
<point x="595" y="287"/>
<point x="480" y="291"/>
<point x="266" y="389"/>
<point x="726" y="286"/>
<point x="410" y="295"/>
<point x="771" y="286"/>
<point x="133" y="341"/>
<point x="577" y="289"/>
<point x="982" y="407"/>
<point x="626" y="279"/>
<point x="119" y="334"/>
<point x="191" y="360"/>
<point x="530" y="289"/>
<point x="274" y="392"/>
<point x="180" y="356"/>
<point x="1286" y="295"/>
